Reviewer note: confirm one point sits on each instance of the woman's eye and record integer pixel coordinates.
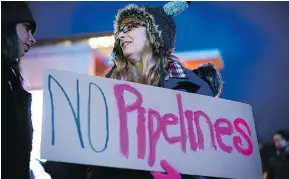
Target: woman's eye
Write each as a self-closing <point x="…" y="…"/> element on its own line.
<point x="27" y="28"/>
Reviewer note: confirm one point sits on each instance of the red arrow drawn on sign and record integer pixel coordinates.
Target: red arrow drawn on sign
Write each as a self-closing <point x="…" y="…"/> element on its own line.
<point x="171" y="173"/>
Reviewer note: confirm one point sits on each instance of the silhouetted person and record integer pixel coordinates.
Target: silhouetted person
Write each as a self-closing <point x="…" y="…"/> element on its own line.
<point x="279" y="162"/>
<point x="17" y="29"/>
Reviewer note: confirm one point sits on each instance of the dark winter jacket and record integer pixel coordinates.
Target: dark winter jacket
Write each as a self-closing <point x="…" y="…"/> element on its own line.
<point x="16" y="126"/>
<point x="279" y="166"/>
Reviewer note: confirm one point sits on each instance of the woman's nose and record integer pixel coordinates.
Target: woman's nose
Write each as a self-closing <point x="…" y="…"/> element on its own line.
<point x="32" y="39"/>
<point x="121" y="35"/>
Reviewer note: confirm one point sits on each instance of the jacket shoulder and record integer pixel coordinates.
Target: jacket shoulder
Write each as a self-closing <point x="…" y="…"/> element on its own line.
<point x="204" y="88"/>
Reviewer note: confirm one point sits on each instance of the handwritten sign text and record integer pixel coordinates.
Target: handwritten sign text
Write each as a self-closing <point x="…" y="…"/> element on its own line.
<point x="98" y="121"/>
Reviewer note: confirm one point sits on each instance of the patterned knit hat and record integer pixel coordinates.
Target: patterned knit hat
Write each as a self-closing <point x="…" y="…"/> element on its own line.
<point x="159" y="22"/>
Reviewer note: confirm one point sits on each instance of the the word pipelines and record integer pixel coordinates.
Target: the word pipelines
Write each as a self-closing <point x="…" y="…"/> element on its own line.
<point x="147" y="128"/>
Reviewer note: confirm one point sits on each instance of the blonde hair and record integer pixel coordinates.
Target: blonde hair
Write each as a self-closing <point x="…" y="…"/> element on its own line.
<point x="151" y="75"/>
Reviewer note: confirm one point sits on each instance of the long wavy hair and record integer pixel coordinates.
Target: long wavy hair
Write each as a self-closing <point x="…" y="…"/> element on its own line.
<point x="10" y="51"/>
<point x="9" y="44"/>
<point x="154" y="67"/>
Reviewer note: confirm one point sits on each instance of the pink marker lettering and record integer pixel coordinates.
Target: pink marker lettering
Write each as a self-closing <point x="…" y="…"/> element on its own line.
<point x="170" y="172"/>
<point x="200" y="135"/>
<point x="238" y="141"/>
<point x="183" y="128"/>
<point x="223" y="130"/>
<point x="141" y="133"/>
<point x="154" y="134"/>
<point x="165" y="123"/>
<point x="192" y="135"/>
<point x="123" y="109"/>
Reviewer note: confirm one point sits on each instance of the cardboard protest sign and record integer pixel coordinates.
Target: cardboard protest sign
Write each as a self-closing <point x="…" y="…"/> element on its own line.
<point x="98" y="121"/>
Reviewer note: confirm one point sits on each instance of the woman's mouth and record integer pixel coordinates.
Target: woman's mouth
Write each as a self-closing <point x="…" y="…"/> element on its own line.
<point x="124" y="44"/>
<point x="26" y="48"/>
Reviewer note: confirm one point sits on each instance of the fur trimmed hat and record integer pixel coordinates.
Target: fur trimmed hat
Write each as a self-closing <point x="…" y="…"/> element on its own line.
<point x="159" y="22"/>
<point x="14" y="12"/>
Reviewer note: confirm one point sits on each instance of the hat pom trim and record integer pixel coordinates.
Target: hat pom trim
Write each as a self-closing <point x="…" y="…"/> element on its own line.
<point x="175" y="7"/>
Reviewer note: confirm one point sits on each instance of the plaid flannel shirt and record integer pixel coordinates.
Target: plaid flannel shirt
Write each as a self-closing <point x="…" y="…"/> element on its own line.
<point x="175" y="71"/>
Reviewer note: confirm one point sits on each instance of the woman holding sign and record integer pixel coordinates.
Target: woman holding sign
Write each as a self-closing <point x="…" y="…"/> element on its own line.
<point x="144" y="43"/>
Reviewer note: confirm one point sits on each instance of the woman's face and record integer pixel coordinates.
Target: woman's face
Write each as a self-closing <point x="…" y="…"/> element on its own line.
<point x="279" y="141"/>
<point x="25" y="37"/>
<point x="133" y="40"/>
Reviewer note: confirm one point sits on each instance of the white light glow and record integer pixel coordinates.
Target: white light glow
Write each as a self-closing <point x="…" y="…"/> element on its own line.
<point x="36" y="110"/>
<point x="101" y="42"/>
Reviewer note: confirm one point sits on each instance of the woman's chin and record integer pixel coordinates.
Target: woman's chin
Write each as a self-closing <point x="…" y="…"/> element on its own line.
<point x="128" y="56"/>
